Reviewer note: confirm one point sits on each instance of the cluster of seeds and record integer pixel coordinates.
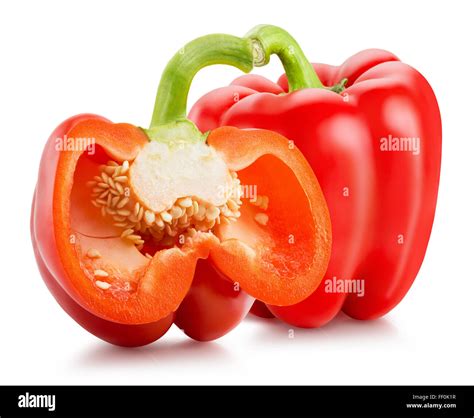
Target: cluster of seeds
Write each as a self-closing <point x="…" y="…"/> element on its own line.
<point x="188" y="215"/>
<point x="111" y="193"/>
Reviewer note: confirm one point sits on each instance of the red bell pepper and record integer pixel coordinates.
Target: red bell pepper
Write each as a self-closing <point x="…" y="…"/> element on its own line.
<point x="371" y="130"/>
<point x="121" y="216"/>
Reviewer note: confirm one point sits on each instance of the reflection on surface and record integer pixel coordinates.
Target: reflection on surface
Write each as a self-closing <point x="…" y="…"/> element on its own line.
<point x="169" y="352"/>
<point x="265" y="333"/>
<point x="341" y="328"/>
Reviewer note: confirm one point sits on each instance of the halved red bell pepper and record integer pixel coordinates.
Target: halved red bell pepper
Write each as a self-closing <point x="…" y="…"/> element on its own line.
<point x="121" y="216"/>
<point x="373" y="138"/>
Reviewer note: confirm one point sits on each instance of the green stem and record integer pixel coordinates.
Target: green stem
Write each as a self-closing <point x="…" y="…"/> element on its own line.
<point x="274" y="40"/>
<point x="254" y="49"/>
<point x="172" y="95"/>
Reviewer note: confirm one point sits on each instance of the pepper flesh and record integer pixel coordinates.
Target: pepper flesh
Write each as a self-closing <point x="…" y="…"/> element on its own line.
<point x="382" y="203"/>
<point x="159" y="285"/>
<point x="276" y="251"/>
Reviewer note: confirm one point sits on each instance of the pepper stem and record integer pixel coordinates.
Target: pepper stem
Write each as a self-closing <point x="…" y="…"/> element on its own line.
<point x="268" y="40"/>
<point x="254" y="49"/>
<point x="172" y="95"/>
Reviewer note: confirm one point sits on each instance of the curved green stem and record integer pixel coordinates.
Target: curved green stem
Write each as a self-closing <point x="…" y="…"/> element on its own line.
<point x="270" y="40"/>
<point x="254" y="49"/>
<point x="172" y="95"/>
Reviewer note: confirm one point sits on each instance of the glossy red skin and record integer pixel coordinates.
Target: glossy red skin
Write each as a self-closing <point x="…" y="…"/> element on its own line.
<point x="390" y="193"/>
<point x="261" y="310"/>
<point x="211" y="309"/>
<point x="46" y="253"/>
<point x="213" y="305"/>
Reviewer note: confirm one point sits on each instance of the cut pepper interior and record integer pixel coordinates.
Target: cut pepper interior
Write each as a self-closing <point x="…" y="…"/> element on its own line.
<point x="133" y="218"/>
<point x="279" y="248"/>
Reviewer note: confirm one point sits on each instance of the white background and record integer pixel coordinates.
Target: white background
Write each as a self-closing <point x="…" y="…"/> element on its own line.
<point x="62" y="58"/>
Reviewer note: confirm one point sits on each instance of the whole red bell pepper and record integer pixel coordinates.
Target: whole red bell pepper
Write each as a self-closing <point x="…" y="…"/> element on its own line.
<point x="371" y="130"/>
<point x="136" y="228"/>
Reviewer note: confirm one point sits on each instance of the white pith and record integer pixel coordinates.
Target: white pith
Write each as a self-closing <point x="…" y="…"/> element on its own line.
<point x="161" y="174"/>
<point x="167" y="191"/>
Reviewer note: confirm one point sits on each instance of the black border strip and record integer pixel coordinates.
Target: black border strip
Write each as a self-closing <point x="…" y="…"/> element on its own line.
<point x="240" y="401"/>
